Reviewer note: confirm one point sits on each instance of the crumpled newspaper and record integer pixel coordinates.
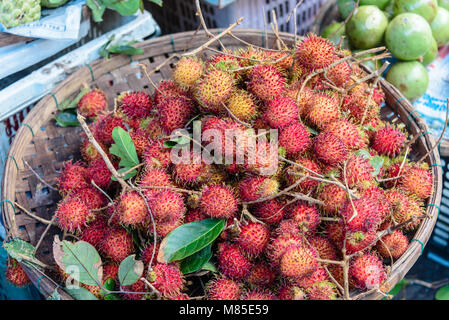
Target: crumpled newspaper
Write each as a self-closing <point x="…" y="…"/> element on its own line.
<point x="432" y="105"/>
<point x="60" y="23"/>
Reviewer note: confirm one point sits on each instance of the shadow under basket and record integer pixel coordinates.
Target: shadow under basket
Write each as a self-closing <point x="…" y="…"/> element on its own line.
<point x="44" y="146"/>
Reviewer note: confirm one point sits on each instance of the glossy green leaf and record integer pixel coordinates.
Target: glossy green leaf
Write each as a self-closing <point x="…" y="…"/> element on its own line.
<point x="66" y="119"/>
<point x="197" y="260"/>
<point x="209" y="266"/>
<point x="130" y="271"/>
<point x="97" y="7"/>
<point x="443" y="293"/>
<point x="124" y="7"/>
<point x="377" y="163"/>
<point x="189" y="238"/>
<point x="72" y="104"/>
<point x="19" y="249"/>
<point x="127" y="176"/>
<point x="125" y="49"/>
<point x="124" y="148"/>
<point x="398" y="287"/>
<point x="79" y="293"/>
<point x="80" y="260"/>
<point x="176" y="142"/>
<point x="158" y="2"/>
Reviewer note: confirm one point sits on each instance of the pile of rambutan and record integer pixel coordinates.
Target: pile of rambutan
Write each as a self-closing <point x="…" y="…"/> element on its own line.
<point x="342" y="189"/>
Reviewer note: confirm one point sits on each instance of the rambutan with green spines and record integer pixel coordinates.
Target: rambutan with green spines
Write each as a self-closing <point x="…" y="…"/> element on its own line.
<point x="253" y="238"/>
<point x="266" y="82"/>
<point x="295" y="138"/>
<point x="117" y="244"/>
<point x="213" y="89"/>
<point x="73" y="214"/>
<point x="314" y="53"/>
<point x="367" y="270"/>
<point x="90" y="153"/>
<point x="305" y="215"/>
<point x="270" y="211"/>
<point x="218" y="201"/>
<point x="289" y="291"/>
<point x="232" y="262"/>
<point x="404" y="208"/>
<point x="323" y="110"/>
<point x="360" y="241"/>
<point x="280" y="112"/>
<point x="388" y="141"/>
<point x="74" y="176"/>
<point x="242" y="105"/>
<point x="135" y="104"/>
<point x="253" y="188"/>
<point x="330" y="149"/>
<point x="92" y="104"/>
<point x="187" y="71"/>
<point x="306" y="282"/>
<point x="226" y="63"/>
<point x="15" y="274"/>
<point x="392" y="245"/>
<point x="223" y="289"/>
<point x="324" y="290"/>
<point x="298" y="261"/>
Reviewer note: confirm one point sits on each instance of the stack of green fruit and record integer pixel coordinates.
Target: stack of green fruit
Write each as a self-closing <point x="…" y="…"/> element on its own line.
<point x="14" y="13"/>
<point x="412" y="30"/>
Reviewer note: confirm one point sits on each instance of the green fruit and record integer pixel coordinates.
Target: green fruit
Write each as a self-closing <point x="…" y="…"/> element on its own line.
<point x="53" y="3"/>
<point x="440" y="27"/>
<point x="366" y="27"/>
<point x="408" y="36"/>
<point x="16" y="12"/>
<point x="410" y="77"/>
<point x="334" y="32"/>
<point x="425" y="8"/>
<point x="381" y="4"/>
<point x="345" y="7"/>
<point x="431" y="54"/>
<point x="444" y="4"/>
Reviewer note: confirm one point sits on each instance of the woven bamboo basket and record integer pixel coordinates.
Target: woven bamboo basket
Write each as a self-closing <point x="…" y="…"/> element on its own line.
<point x="329" y="14"/>
<point x="45" y="146"/>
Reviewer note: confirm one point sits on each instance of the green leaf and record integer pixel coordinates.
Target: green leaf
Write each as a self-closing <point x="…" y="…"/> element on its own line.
<point x="398" y="287"/>
<point x="80" y="260"/>
<point x="377" y="163"/>
<point x="109" y="284"/>
<point x="124" y="7"/>
<point x="363" y="154"/>
<point x="189" y="238"/>
<point x="67" y="104"/>
<point x="66" y="119"/>
<point x="103" y="51"/>
<point x="127" y="176"/>
<point x="197" y="260"/>
<point x="313" y="131"/>
<point x="125" y="49"/>
<point x="130" y="271"/>
<point x="158" y="2"/>
<point x="179" y="141"/>
<point x="111" y="296"/>
<point x="209" y="266"/>
<point x="124" y="148"/>
<point x="79" y="293"/>
<point x="443" y="293"/>
<point x="97" y="7"/>
<point x="19" y="249"/>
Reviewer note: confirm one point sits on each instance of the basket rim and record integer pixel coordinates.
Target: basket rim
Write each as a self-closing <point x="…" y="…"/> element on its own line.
<point x="103" y="66"/>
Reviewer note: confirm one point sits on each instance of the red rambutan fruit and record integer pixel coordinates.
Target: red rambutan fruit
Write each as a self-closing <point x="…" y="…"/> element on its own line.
<point x="167" y="88"/>
<point x="360" y="241"/>
<point x="358" y="171"/>
<point x="90" y="153"/>
<point x="174" y="112"/>
<point x="73" y="176"/>
<point x="298" y="261"/>
<point x="416" y="181"/>
<point x="305" y="215"/>
<point x="259" y="294"/>
<point x="280" y="112"/>
<point x="318" y="275"/>
<point x="117" y="244"/>
<point x="323" y="110"/>
<point x="314" y="53"/>
<point x="168" y="279"/>
<point x="291" y="292"/>
<point x="95" y="232"/>
<point x="262" y="275"/>
<point x="367" y="270"/>
<point x="295" y="139"/>
<point x="92" y="197"/>
<point x="253" y="238"/>
<point x="348" y="133"/>
<point x="329" y="149"/>
<point x="232" y="262"/>
<point x="324" y="290"/>
<point x="105" y="126"/>
<point x="270" y="211"/>
<point x="132" y="209"/>
<point x="167" y="205"/>
<point x="187" y="71"/>
<point x="99" y="172"/>
<point x="388" y="141"/>
<point x="157" y="156"/>
<point x="278" y="246"/>
<point x="92" y="103"/>
<point x="392" y="245"/>
<point x="307" y="184"/>
<point x="218" y="201"/>
<point x="365" y="217"/>
<point x="334" y="198"/>
<point x="253" y="188"/>
<point x="324" y="248"/>
<point x="266" y="82"/>
<point x="154" y="178"/>
<point x="135" y="105"/>
<point x="73" y="214"/>
<point x="138" y="286"/>
<point x="15" y="274"/>
<point x="223" y="289"/>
